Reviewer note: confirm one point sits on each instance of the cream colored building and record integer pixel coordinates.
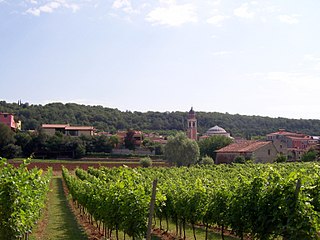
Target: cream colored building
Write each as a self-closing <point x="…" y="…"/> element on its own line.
<point x="68" y="130"/>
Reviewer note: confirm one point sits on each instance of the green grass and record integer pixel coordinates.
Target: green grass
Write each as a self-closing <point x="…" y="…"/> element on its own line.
<point x="79" y="161"/>
<point x="61" y="222"/>
<point x="200" y="232"/>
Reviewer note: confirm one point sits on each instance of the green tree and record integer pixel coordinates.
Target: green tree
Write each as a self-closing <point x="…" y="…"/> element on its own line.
<point x="145" y="162"/>
<point x="239" y="159"/>
<point x="208" y="146"/>
<point x="23" y="140"/>
<point x="206" y="161"/>
<point x="10" y="151"/>
<point x="158" y="149"/>
<point x="6" y="135"/>
<point x="114" y="140"/>
<point x="129" y="140"/>
<point x="281" y="158"/>
<point x="181" y="150"/>
<point x="309" y="156"/>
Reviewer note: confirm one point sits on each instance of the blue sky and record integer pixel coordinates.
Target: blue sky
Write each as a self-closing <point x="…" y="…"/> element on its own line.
<point x="246" y="57"/>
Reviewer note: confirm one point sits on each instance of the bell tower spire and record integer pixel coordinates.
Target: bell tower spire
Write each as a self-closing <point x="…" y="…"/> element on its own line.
<point x="192" y="125"/>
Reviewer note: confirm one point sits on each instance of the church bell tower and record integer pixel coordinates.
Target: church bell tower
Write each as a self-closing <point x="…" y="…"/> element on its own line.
<point x="192" y="125"/>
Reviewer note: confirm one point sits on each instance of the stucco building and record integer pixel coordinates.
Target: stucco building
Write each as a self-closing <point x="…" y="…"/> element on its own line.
<point x="8" y="119"/>
<point x="66" y="129"/>
<point x="258" y="151"/>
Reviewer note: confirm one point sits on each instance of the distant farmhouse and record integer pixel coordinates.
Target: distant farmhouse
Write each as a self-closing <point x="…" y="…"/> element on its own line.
<point x="8" y="119"/>
<point x="293" y="145"/>
<point x="68" y="130"/>
<point x="259" y="151"/>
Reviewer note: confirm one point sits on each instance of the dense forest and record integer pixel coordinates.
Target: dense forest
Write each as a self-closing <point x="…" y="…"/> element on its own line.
<point x="108" y="119"/>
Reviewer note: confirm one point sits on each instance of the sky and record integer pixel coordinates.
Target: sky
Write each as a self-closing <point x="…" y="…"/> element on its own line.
<point x="246" y="57"/>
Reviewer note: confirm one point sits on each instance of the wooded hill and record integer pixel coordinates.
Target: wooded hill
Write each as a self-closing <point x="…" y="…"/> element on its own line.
<point x="108" y="119"/>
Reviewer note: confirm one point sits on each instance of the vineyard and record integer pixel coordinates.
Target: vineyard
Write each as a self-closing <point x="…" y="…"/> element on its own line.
<point x="255" y="201"/>
<point x="22" y="197"/>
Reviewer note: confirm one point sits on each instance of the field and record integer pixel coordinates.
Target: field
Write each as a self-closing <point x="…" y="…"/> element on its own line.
<point x="56" y="164"/>
<point x="257" y="201"/>
<point x="270" y="201"/>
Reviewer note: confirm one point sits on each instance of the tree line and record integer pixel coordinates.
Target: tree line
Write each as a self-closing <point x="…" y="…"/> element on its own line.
<point x="111" y="120"/>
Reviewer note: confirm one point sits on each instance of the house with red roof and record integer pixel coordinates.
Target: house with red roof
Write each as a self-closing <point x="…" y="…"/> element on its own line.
<point x="8" y="119"/>
<point x="258" y="151"/>
<point x="66" y="129"/>
<point x="291" y="144"/>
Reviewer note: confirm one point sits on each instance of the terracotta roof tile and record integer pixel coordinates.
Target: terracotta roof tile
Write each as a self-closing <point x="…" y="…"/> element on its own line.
<point x="54" y="125"/>
<point x="245" y="146"/>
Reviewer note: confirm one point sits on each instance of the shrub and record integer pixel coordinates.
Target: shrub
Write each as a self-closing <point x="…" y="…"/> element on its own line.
<point x="281" y="158"/>
<point x="239" y="159"/>
<point x="207" y="161"/>
<point x="145" y="162"/>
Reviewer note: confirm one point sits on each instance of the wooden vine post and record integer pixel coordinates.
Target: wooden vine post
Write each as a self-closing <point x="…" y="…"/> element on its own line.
<point x="151" y="209"/>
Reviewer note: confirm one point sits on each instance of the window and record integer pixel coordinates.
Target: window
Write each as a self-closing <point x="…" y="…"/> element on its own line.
<point x="269" y="152"/>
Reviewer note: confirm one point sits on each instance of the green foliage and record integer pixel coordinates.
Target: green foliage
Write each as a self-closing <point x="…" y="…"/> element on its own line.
<point x="6" y="135"/>
<point x="207" y="161"/>
<point x="158" y="149"/>
<point x="10" y="151"/>
<point x="208" y="146"/>
<point x="22" y="196"/>
<point x="129" y="141"/>
<point x="264" y="201"/>
<point x="239" y="159"/>
<point x="167" y="123"/>
<point x="309" y="156"/>
<point x="181" y="150"/>
<point x="145" y="162"/>
<point x="281" y="158"/>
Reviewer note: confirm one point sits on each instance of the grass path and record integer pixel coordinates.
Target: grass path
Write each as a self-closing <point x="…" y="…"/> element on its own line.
<point x="61" y="222"/>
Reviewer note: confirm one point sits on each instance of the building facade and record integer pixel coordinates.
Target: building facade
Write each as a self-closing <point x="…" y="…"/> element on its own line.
<point x="68" y="130"/>
<point x="258" y="151"/>
<point x="8" y="119"/>
<point x="293" y="145"/>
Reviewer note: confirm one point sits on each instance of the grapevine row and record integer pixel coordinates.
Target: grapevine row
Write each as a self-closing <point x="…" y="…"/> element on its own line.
<point x="262" y="201"/>
<point x="22" y="197"/>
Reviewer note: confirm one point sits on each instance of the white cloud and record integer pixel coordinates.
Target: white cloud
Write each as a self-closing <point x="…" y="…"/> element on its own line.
<point x="290" y="19"/>
<point x="172" y="14"/>
<point x="51" y="6"/>
<point x="125" y="6"/>
<point x="121" y="3"/>
<point x="217" y="20"/>
<point x="243" y="11"/>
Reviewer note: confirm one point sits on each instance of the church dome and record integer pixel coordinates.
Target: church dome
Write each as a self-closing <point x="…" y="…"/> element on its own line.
<point x="216" y="130"/>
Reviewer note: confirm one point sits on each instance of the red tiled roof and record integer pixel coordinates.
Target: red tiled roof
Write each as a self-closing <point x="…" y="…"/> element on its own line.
<point x="54" y="125"/>
<point x="67" y="127"/>
<point x="284" y="133"/>
<point x="300" y="138"/>
<point x="81" y="128"/>
<point x="245" y="146"/>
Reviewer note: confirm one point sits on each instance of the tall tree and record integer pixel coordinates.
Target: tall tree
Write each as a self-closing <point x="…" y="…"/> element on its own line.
<point x="129" y="140"/>
<point x="208" y="146"/>
<point x="181" y="150"/>
<point x="6" y="135"/>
